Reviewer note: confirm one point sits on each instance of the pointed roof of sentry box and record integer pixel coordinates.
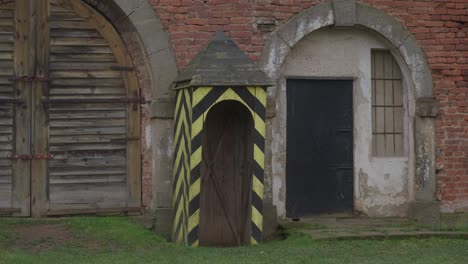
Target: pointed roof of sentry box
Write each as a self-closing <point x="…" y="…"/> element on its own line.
<point x="222" y="63"/>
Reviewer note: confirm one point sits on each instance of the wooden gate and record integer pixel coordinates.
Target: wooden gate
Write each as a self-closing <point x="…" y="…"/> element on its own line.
<point x="69" y="128"/>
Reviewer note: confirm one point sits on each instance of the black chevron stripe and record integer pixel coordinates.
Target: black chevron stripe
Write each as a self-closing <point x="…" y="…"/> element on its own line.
<point x="251" y="101"/>
<point x="197" y="141"/>
<point x="258" y="171"/>
<point x="194" y="205"/>
<point x="257" y="202"/>
<point x="256" y="232"/>
<point x="195" y="173"/>
<point x="207" y="101"/>
<point x="193" y="235"/>
<point x="259" y="140"/>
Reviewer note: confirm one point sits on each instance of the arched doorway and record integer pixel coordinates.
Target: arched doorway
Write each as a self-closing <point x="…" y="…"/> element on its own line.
<point x="418" y="163"/>
<point x="226" y="188"/>
<point x="74" y="143"/>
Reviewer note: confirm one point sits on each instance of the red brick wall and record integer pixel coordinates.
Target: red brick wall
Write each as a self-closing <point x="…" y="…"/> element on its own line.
<point x="441" y="27"/>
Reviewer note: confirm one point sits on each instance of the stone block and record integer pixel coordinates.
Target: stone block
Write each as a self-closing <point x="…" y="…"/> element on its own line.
<point x="344" y="12"/>
<point x="163" y="222"/>
<point x="454" y="220"/>
<point x="428" y="213"/>
<point x="427" y="107"/>
<point x="381" y="22"/>
<point x="163" y="108"/>
<point x="270" y="221"/>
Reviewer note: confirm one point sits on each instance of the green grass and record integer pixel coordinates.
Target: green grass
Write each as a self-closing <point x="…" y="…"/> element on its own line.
<point x="118" y="240"/>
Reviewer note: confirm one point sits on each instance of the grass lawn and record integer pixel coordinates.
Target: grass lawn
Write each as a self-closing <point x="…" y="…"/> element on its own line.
<point x="118" y="240"/>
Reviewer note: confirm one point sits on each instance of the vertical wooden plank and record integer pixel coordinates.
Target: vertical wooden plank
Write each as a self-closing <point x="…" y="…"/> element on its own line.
<point x="39" y="180"/>
<point x="388" y="65"/>
<point x="389" y="125"/>
<point x="396" y="69"/>
<point x="380" y="92"/>
<point x="397" y="93"/>
<point x="379" y="65"/>
<point x="22" y="169"/>
<point x="399" y="119"/>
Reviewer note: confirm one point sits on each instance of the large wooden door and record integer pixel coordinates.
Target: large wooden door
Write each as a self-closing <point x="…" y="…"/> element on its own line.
<point x="15" y="108"/>
<point x="226" y="188"/>
<point x="82" y="98"/>
<point x="319" y="169"/>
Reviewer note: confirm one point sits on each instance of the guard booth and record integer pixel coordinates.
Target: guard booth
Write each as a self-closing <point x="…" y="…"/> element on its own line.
<point x="219" y="148"/>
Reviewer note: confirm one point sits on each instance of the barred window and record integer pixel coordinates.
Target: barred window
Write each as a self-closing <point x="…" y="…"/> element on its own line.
<point x="387" y="105"/>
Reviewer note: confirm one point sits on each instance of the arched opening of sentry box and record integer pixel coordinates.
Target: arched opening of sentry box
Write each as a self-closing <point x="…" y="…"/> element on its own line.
<point x="226" y="175"/>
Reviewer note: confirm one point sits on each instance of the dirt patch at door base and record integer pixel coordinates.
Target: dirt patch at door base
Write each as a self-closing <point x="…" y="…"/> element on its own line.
<point x="36" y="238"/>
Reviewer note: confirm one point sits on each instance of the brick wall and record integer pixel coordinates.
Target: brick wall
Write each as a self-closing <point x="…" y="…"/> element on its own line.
<point x="441" y="27"/>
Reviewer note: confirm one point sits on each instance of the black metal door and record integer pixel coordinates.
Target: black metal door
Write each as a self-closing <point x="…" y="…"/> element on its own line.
<point x="319" y="160"/>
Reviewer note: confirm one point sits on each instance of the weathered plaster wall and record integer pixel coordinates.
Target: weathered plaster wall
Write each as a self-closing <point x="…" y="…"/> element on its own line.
<point x="382" y="185"/>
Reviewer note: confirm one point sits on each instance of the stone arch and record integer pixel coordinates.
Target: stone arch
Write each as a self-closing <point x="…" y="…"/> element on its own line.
<point x="337" y="13"/>
<point x="146" y="40"/>
<point x="404" y="46"/>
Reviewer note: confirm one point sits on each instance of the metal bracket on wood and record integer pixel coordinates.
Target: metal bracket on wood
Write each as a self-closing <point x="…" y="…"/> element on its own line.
<point x="43" y="157"/>
<point x="19" y="157"/>
<point x="121" y="68"/>
<point x="30" y="157"/>
<point x="29" y="79"/>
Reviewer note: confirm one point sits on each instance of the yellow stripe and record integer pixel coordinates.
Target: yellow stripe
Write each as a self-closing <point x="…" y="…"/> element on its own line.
<point x="259" y="157"/>
<point x="197" y="126"/>
<point x="261" y="95"/>
<point x="257" y="218"/>
<point x="179" y="99"/>
<point x="259" y="125"/>
<point x="182" y="120"/>
<point x="176" y="219"/>
<point x="253" y="241"/>
<point x="180" y="237"/>
<point x="196" y="157"/>
<point x="181" y="151"/>
<point x="258" y="187"/>
<point x="195" y="189"/>
<point x="199" y="94"/>
<point x="194" y="220"/>
<point x="195" y="244"/>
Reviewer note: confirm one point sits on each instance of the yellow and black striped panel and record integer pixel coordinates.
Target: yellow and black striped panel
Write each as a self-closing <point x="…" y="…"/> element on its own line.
<point x="182" y="141"/>
<point x="254" y="98"/>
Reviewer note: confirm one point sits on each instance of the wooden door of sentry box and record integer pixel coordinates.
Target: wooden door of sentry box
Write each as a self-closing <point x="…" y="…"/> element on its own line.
<point x="82" y="97"/>
<point x="319" y="169"/>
